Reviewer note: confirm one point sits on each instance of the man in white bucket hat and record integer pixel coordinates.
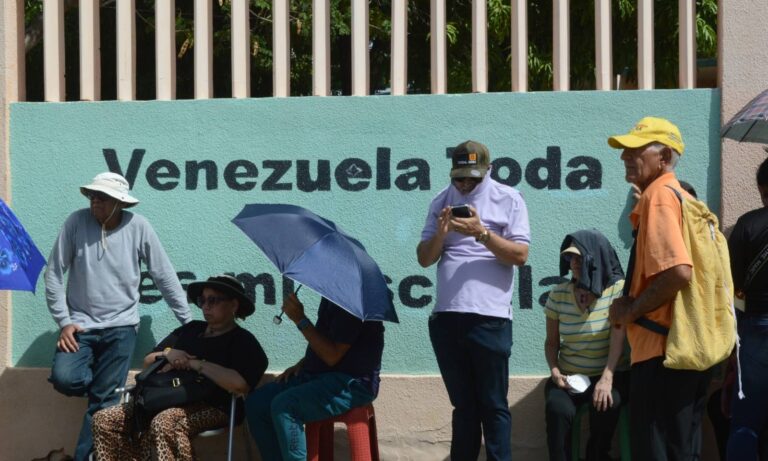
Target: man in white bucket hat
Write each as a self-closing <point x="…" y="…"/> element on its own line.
<point x="97" y="307"/>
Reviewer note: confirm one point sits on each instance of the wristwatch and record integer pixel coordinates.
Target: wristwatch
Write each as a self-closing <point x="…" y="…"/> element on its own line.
<point x="484" y="236"/>
<point x="303" y="323"/>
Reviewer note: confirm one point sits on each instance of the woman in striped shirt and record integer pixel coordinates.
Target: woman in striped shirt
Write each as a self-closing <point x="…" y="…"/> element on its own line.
<point x="581" y="341"/>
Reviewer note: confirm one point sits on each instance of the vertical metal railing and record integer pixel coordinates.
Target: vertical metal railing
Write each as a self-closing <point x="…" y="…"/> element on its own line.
<point x="281" y="56"/>
<point x="603" y="47"/>
<point x="126" y="50"/>
<point x="166" y="53"/>
<point x="203" y="49"/>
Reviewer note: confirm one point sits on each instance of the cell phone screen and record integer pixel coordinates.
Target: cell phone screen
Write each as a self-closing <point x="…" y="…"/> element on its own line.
<point x="460" y="211"/>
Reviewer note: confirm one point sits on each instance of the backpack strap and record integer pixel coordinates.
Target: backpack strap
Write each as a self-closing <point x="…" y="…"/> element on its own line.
<point x="754" y="267"/>
<point x="644" y="321"/>
<point x="649" y="324"/>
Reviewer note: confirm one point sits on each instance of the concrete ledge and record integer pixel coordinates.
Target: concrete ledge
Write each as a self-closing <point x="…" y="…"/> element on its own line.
<point x="413" y="418"/>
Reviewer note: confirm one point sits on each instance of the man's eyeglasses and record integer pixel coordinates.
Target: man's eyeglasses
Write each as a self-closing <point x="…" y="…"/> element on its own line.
<point x="101" y="196"/>
<point x="469" y="180"/>
<point x="212" y="300"/>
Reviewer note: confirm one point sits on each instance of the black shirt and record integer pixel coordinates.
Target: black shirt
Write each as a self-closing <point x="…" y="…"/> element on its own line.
<point x="237" y="349"/>
<point x="363" y="359"/>
<point x="749" y="237"/>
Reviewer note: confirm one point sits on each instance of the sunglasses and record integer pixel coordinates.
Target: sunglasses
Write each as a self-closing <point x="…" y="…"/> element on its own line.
<point x="469" y="180"/>
<point x="101" y="196"/>
<point x="211" y="300"/>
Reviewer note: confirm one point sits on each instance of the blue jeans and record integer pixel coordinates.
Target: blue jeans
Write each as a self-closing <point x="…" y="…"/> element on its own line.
<point x="277" y="411"/>
<point x="473" y="352"/>
<point x="98" y="368"/>
<point x="749" y="414"/>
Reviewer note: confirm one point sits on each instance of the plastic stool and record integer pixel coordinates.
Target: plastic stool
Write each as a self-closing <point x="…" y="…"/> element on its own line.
<point x="361" y="429"/>
<point x="623" y="426"/>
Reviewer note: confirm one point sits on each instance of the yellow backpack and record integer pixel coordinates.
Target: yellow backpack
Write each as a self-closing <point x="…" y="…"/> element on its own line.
<point x="703" y="329"/>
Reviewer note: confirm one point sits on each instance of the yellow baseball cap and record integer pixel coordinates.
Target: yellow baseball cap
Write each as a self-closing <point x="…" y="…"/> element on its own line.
<point x="648" y="130"/>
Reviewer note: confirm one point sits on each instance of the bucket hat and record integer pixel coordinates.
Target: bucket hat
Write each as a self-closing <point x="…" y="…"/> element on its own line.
<point x="113" y="185"/>
<point x="226" y="284"/>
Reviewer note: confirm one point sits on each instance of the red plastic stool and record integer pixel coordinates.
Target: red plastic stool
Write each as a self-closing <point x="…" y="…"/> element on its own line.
<point x="361" y="429"/>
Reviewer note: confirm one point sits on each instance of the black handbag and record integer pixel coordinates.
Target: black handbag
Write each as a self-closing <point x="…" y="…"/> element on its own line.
<point x="156" y="391"/>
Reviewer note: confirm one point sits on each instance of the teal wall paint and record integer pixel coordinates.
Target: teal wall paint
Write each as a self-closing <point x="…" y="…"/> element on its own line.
<point x="57" y="147"/>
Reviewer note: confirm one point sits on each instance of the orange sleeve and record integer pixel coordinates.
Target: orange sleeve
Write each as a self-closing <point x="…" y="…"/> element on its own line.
<point x="664" y="245"/>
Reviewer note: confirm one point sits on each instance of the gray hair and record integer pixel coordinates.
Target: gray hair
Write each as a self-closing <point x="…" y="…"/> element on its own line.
<point x="673" y="159"/>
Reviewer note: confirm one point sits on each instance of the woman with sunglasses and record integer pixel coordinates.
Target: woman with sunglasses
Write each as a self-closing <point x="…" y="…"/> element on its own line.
<point x="216" y="348"/>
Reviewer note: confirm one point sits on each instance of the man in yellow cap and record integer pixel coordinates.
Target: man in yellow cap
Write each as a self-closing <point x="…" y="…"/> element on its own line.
<point x="666" y="405"/>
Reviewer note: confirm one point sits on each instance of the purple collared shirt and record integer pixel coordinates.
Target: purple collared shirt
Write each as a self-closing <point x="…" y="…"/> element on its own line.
<point x="469" y="277"/>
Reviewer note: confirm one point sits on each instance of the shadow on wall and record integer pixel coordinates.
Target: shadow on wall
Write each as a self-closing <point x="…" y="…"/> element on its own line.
<point x="623" y="225"/>
<point x="528" y="438"/>
<point x="42" y="348"/>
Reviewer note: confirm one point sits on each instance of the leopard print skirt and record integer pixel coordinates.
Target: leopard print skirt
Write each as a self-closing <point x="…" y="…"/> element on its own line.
<point x="169" y="436"/>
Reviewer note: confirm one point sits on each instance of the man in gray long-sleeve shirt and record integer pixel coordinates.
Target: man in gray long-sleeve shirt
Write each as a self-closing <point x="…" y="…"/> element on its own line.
<point x="101" y="249"/>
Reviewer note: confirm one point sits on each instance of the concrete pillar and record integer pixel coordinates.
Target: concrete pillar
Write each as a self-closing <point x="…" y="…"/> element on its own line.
<point x="743" y="73"/>
<point x="6" y="77"/>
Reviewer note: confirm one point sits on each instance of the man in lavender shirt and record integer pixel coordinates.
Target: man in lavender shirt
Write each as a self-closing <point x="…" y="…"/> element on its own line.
<point x="471" y="324"/>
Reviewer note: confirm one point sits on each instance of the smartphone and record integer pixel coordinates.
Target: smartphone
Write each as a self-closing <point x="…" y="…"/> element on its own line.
<point x="461" y="211"/>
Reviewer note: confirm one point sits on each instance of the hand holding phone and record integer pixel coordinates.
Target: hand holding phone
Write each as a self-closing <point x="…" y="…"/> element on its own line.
<point x="461" y="211"/>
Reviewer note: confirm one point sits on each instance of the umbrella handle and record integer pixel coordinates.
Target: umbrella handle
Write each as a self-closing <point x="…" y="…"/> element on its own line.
<point x="278" y="319"/>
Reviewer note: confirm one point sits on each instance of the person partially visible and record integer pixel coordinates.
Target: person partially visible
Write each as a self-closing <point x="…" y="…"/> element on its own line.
<point x="748" y="247"/>
<point x="581" y="341"/>
<point x="339" y="371"/>
<point x="218" y="349"/>
<point x="470" y="328"/>
<point x="689" y="188"/>
<point x="92" y="290"/>
<point x="665" y="405"/>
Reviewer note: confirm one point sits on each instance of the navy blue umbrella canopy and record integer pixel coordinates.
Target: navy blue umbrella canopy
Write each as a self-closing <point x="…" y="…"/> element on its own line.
<point x="750" y="124"/>
<point x="315" y="252"/>
<point x="20" y="260"/>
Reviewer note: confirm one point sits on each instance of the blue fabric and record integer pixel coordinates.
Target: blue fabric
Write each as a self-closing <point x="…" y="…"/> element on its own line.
<point x="473" y="352"/>
<point x="98" y="368"/>
<point x="363" y="359"/>
<point x="20" y="260"/>
<point x="303" y="246"/>
<point x="749" y="414"/>
<point x="277" y="412"/>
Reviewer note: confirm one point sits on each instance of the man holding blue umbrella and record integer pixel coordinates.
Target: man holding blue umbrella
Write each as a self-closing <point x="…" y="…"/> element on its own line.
<point x="339" y="371"/>
<point x="341" y="365"/>
<point x="477" y="231"/>
<point x="100" y="250"/>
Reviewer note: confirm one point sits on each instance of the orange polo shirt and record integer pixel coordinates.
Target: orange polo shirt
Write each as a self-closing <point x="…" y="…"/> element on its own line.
<point x="660" y="246"/>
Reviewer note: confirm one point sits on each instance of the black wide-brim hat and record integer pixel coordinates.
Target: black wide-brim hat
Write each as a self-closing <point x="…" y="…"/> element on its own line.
<point x="226" y="284"/>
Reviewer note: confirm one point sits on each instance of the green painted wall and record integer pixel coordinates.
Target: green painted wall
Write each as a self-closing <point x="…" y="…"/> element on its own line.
<point x="375" y="163"/>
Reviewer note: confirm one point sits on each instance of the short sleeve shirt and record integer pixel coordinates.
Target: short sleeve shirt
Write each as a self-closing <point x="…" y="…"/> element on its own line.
<point x="237" y="349"/>
<point x="660" y="246"/>
<point x="363" y="359"/>
<point x="470" y="279"/>
<point x="584" y="336"/>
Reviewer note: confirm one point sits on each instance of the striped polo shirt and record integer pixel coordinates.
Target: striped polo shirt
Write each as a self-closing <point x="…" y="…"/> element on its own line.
<point x="584" y="336"/>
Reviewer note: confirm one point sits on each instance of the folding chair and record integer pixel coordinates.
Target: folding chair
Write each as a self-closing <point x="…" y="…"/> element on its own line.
<point x="125" y="396"/>
<point x="215" y="432"/>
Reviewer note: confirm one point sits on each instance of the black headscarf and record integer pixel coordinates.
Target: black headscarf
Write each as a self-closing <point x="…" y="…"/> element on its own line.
<point x="600" y="267"/>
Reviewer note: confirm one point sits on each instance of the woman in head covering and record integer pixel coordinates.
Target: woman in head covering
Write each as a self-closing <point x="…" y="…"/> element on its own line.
<point x="582" y="348"/>
<point x="218" y="349"/>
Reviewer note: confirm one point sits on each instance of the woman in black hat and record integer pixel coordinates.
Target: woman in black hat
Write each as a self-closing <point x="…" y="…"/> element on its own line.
<point x="218" y="349"/>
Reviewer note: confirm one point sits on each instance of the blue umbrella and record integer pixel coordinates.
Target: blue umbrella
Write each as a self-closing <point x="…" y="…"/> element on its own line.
<point x="314" y="252"/>
<point x="20" y="260"/>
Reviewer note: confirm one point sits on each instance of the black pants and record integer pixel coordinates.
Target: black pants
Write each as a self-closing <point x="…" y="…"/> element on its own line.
<point x="666" y="408"/>
<point x="561" y="407"/>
